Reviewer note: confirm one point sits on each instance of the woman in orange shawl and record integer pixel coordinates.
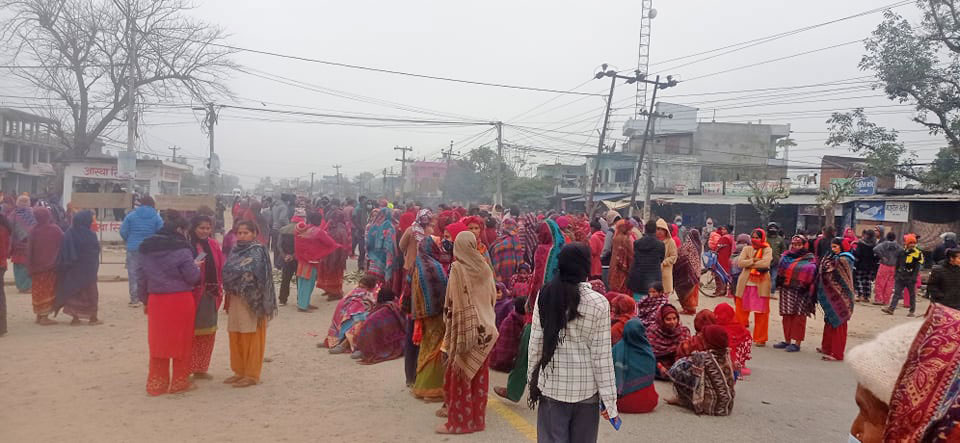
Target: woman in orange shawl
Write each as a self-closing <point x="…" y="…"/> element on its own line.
<point x="622" y="309"/>
<point x="621" y="258"/>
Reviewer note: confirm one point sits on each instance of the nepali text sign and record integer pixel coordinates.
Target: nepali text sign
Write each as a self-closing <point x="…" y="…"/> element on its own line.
<point x="711" y="188"/>
<point x="889" y="211"/>
<point x="862" y="185"/>
<point x="745" y="188"/>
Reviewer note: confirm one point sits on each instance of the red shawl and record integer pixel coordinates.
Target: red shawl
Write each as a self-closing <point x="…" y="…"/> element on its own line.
<point x="43" y="245"/>
<point x="312" y="243"/>
<point x="739" y="336"/>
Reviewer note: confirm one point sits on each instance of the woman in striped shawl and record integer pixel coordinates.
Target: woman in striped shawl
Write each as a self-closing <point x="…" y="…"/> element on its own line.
<point x="796" y="275"/>
<point x="835" y="294"/>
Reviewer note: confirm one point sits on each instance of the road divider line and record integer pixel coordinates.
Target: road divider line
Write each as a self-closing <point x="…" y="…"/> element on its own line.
<point x="515" y="420"/>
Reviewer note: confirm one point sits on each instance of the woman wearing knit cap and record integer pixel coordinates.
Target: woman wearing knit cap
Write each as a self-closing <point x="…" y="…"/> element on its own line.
<point x="876" y="365"/>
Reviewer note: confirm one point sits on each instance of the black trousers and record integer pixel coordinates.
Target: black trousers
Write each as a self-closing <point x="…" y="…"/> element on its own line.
<point x="360" y="242"/>
<point x="561" y="422"/>
<point x="411" y="353"/>
<point x="289" y="269"/>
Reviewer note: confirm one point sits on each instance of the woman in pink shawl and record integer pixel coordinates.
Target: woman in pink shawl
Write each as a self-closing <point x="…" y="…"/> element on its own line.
<point x="349" y="316"/>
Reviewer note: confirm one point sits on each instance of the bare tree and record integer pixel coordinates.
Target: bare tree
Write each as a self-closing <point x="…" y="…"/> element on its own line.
<point x="765" y="198"/>
<point x="75" y="53"/>
<point x="833" y="195"/>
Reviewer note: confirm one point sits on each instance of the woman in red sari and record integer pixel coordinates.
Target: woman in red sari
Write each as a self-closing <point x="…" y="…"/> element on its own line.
<point x="469" y="337"/>
<point x="621" y="257"/>
<point x="334" y="265"/>
<point x="208" y="295"/>
<point x="43" y="245"/>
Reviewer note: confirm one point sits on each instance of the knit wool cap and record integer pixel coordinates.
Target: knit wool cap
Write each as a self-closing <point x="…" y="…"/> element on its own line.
<point x="877" y="363"/>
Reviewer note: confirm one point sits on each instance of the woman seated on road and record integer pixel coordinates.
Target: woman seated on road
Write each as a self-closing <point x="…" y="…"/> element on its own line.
<point x="698" y="342"/>
<point x="666" y="335"/>
<point x="648" y="308"/>
<point x="622" y="309"/>
<point x="739" y="337"/>
<point x="635" y="367"/>
<point x="704" y="381"/>
<point x="380" y="337"/>
<point x="504" y="353"/>
<point x="349" y="315"/>
<point x="906" y="381"/>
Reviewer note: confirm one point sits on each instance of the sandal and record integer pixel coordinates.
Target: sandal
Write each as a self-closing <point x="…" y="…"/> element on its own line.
<point x="190" y="387"/>
<point x="828" y="358"/>
<point x="232" y="379"/>
<point x="442" y="412"/>
<point x="244" y="383"/>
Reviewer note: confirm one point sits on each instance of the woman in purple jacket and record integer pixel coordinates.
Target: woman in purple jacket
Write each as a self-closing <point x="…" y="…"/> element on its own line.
<point x="168" y="273"/>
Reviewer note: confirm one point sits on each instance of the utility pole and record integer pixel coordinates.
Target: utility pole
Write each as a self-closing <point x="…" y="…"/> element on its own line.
<point x="606" y="120"/>
<point x="310" y="194"/>
<point x="173" y="157"/>
<point x="403" y="169"/>
<point x="498" y="199"/>
<point x="448" y="156"/>
<point x="131" y="97"/>
<point x="213" y="164"/>
<point x="647" y="133"/>
<point x="339" y="186"/>
<point x="383" y="189"/>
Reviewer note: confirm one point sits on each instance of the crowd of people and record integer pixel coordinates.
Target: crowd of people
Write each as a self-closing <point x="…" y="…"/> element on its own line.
<point x="578" y="310"/>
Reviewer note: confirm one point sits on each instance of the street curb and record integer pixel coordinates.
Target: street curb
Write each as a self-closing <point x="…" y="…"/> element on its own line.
<point x="100" y="279"/>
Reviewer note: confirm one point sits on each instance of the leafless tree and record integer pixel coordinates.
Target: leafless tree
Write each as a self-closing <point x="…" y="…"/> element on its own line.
<point x="75" y="53"/>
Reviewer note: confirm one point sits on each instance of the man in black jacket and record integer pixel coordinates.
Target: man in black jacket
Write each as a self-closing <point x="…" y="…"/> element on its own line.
<point x="944" y="283"/>
<point x="648" y="253"/>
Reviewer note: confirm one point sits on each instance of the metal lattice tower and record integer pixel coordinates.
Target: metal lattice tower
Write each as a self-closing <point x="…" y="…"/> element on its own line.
<point x="643" y="59"/>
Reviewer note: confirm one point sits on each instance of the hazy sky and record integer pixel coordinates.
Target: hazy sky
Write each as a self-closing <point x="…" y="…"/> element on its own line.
<point x="550" y="44"/>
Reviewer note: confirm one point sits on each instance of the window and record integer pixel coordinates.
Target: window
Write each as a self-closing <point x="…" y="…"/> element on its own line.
<point x="622" y="175"/>
<point x="9" y="153"/>
<point x="43" y="155"/>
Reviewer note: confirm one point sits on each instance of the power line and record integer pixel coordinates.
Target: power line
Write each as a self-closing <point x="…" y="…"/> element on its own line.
<point x="764" y="62"/>
<point x="390" y="71"/>
<point x="761" y="40"/>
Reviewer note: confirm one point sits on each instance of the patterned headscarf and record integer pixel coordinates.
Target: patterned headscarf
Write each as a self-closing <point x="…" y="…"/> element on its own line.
<point x="423" y="220"/>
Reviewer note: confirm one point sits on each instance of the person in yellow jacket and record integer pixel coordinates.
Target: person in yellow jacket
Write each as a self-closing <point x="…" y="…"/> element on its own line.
<point x="669" y="257"/>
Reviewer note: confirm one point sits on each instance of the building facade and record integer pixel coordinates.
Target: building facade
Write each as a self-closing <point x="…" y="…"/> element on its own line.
<point x="29" y="145"/>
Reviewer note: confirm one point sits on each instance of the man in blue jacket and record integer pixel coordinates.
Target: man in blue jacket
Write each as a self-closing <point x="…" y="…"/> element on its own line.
<point x="137" y="226"/>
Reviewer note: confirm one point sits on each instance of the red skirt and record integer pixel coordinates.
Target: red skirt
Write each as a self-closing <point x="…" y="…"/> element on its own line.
<point x="170" y="320"/>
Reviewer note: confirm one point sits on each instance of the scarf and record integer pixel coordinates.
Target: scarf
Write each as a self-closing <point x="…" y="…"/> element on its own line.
<point x="210" y="274"/>
<point x="686" y="271"/>
<point x="381" y="242"/>
<point x="835" y="291"/>
<point x="925" y="405"/>
<point x="759" y="245"/>
<point x="468" y="311"/>
<point x="528" y="237"/>
<point x="507" y="254"/>
<point x="423" y="220"/>
<point x="633" y="362"/>
<point x="797" y="269"/>
<point x="429" y="283"/>
<point x="78" y="260"/>
<point x="664" y="338"/>
<point x="739" y="337"/>
<point x="247" y="273"/>
<point x="648" y="310"/>
<point x="23" y="222"/>
<point x="45" y="242"/>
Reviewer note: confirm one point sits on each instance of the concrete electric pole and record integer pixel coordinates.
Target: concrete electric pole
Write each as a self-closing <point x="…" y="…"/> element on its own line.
<point x="403" y="169"/>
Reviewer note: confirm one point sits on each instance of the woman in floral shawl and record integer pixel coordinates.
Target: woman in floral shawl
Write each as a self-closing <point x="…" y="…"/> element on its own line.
<point x="686" y="272"/>
<point x="740" y="340"/>
<point x="381" y="241"/>
<point x="621" y="257"/>
<point x="382" y="334"/>
<point x="506" y="253"/>
<point x="835" y="292"/>
<point x="470" y="336"/>
<point x="349" y="316"/>
<point x="250" y="303"/>
<point x="23" y="222"/>
<point x="428" y="288"/>
<point x="796" y="278"/>
<point x="334" y="265"/>
<point x="665" y="336"/>
<point x="704" y="381"/>
<point x="545" y="260"/>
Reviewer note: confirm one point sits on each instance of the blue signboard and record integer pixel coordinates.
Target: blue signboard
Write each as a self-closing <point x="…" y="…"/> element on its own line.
<point x="870" y="210"/>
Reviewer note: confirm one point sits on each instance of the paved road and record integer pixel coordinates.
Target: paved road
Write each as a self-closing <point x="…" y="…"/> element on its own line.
<point x="87" y="384"/>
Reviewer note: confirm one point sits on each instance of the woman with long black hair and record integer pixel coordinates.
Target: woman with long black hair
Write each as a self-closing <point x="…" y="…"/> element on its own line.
<point x="570" y="361"/>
